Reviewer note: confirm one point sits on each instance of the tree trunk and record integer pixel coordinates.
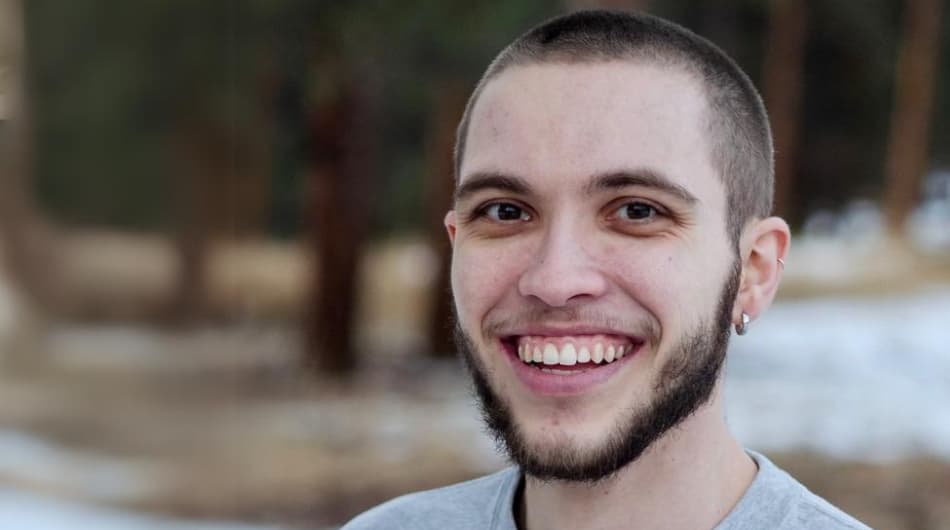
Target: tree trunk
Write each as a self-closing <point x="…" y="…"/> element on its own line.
<point x="29" y="277"/>
<point x="27" y="250"/>
<point x="782" y="83"/>
<point x="909" y="140"/>
<point x="343" y="130"/>
<point x="449" y="104"/>
<point x="197" y="205"/>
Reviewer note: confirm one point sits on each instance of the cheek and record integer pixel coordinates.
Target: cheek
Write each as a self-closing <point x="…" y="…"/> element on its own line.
<point x="674" y="283"/>
<point x="643" y="270"/>
<point x="482" y="276"/>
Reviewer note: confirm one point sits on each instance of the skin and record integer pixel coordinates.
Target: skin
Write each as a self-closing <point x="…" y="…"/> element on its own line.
<point x="647" y="258"/>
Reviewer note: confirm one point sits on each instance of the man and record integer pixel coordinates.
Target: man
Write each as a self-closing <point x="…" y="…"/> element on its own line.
<point x="611" y="224"/>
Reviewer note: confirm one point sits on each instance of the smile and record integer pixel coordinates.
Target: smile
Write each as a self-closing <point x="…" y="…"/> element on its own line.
<point x="572" y="351"/>
<point x="568" y="364"/>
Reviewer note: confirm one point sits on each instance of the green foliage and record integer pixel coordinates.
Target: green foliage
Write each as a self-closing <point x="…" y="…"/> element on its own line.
<point x="116" y="86"/>
<point x="121" y="89"/>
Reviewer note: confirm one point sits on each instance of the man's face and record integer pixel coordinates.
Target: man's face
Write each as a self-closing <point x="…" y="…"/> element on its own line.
<point x="590" y="221"/>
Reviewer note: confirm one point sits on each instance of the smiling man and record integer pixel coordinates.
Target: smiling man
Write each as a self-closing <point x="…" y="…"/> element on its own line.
<point x="611" y="226"/>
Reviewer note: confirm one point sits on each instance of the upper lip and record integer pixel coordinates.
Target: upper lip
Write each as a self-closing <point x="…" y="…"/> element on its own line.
<point x="555" y="330"/>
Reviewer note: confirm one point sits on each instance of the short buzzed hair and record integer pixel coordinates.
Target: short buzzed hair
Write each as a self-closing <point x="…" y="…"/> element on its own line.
<point x="737" y="124"/>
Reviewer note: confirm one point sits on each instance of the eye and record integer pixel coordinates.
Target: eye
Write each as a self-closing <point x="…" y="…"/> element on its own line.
<point x="637" y="211"/>
<point x="506" y="212"/>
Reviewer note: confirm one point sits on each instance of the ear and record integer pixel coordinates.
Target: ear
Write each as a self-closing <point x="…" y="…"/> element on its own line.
<point x="762" y="244"/>
<point x="450" y="225"/>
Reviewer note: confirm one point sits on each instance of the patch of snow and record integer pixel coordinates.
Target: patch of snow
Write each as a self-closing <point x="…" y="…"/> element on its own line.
<point x="31" y="459"/>
<point x="854" y="378"/>
<point x="928" y="224"/>
<point x="19" y="509"/>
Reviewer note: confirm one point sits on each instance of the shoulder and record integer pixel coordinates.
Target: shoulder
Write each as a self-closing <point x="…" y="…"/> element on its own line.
<point x="473" y="504"/>
<point x="811" y="511"/>
<point x="776" y="500"/>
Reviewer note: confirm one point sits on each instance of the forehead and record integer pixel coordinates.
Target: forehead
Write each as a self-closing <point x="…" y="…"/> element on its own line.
<point x="568" y="121"/>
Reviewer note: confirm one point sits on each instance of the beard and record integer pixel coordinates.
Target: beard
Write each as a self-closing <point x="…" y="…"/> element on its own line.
<point x="684" y="383"/>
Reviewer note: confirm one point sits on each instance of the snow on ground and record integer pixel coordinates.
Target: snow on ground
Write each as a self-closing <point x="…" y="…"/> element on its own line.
<point x="41" y="462"/>
<point x="853" y="378"/>
<point x="22" y="510"/>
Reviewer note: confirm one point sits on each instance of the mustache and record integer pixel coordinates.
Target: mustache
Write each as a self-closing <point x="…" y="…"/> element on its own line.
<point x="643" y="325"/>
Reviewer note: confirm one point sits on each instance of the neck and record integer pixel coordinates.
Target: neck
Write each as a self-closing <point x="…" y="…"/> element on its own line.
<point x="690" y="478"/>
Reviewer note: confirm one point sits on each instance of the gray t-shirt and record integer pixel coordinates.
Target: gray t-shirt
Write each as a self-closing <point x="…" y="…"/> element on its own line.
<point x="774" y="500"/>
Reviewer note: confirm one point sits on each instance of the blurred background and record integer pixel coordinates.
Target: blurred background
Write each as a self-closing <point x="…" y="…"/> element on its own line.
<point x="223" y="290"/>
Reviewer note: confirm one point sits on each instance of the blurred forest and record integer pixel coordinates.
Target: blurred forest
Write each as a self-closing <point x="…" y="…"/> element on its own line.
<point x="179" y="166"/>
<point x="332" y="122"/>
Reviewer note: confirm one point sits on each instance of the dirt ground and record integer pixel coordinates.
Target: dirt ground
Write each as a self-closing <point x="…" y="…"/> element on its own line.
<point x="256" y="441"/>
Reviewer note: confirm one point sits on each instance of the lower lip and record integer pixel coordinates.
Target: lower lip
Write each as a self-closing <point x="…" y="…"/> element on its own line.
<point x="579" y="381"/>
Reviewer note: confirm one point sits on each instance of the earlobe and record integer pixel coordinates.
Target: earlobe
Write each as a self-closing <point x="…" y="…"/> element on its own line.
<point x="450" y="225"/>
<point x="764" y="247"/>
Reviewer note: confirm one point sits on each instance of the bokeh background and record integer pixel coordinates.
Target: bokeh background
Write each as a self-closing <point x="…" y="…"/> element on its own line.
<point x="223" y="296"/>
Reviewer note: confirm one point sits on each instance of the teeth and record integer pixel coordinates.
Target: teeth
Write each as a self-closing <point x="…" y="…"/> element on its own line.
<point x="568" y="355"/>
<point x="583" y="356"/>
<point x="550" y="354"/>
<point x="598" y="355"/>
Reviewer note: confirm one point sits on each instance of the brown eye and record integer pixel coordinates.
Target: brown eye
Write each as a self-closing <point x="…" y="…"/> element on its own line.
<point x="506" y="212"/>
<point x="637" y="211"/>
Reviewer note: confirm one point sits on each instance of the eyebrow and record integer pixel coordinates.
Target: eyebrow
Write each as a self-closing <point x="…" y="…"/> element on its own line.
<point x="609" y="181"/>
<point x="644" y="177"/>
<point x="491" y="181"/>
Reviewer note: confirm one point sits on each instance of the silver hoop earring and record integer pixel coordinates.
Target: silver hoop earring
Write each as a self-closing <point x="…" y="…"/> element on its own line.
<point x="743" y="327"/>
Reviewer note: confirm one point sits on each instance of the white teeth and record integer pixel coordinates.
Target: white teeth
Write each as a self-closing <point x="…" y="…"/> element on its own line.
<point x="583" y="356"/>
<point x="550" y="354"/>
<point x="568" y="356"/>
<point x="598" y="355"/>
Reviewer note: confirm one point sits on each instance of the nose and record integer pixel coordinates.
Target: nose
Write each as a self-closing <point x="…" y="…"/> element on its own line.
<point x="563" y="270"/>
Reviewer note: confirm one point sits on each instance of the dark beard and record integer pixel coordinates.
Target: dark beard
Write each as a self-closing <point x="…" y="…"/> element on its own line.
<point x="684" y="384"/>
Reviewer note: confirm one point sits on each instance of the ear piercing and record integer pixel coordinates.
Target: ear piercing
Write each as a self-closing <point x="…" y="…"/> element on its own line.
<point x="743" y="327"/>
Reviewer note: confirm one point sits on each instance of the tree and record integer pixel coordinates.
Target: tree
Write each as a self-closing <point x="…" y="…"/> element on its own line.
<point x="23" y="232"/>
<point x="913" y="105"/>
<point x="448" y="107"/>
<point x="782" y="87"/>
<point x="345" y="164"/>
